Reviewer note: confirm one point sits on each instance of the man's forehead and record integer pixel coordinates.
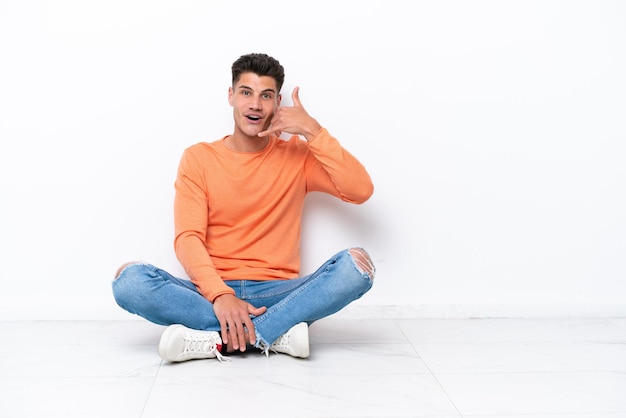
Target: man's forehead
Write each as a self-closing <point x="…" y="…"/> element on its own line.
<point x="253" y="82"/>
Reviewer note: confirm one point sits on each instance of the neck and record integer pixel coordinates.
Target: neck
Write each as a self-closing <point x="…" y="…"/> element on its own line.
<point x="246" y="143"/>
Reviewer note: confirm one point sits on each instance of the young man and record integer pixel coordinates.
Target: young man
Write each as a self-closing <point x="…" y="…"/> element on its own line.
<point x="237" y="213"/>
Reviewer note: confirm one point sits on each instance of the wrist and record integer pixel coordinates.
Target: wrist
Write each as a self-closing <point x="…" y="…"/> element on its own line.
<point x="312" y="130"/>
<point x="219" y="295"/>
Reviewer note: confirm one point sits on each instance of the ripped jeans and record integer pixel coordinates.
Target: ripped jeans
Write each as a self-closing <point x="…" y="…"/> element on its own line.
<point x="159" y="297"/>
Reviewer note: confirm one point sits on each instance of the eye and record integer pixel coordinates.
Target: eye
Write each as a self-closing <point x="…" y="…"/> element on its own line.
<point x="245" y="92"/>
<point x="267" y="96"/>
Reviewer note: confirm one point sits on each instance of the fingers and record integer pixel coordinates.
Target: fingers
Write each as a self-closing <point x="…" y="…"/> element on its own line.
<point x="295" y="97"/>
<point x="271" y="130"/>
<point x="235" y="318"/>
<point x="249" y="335"/>
<point x="256" y="311"/>
<point x="288" y="119"/>
<point x="249" y="325"/>
<point x="240" y="336"/>
<point x="236" y="333"/>
<point x="224" y="331"/>
<point x="242" y="332"/>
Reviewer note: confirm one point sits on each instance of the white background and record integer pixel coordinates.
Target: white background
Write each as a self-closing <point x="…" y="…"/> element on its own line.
<point x="494" y="132"/>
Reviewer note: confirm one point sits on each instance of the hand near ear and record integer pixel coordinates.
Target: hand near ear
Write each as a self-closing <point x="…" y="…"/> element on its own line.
<point x="293" y="120"/>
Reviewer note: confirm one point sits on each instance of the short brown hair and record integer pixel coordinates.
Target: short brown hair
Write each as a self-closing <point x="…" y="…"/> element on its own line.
<point x="259" y="64"/>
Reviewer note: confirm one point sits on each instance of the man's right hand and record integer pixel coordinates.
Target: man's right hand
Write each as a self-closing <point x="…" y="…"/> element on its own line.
<point x="235" y="322"/>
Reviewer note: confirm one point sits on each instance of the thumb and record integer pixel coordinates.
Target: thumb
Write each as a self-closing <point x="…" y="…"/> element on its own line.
<point x="256" y="311"/>
<point x="295" y="97"/>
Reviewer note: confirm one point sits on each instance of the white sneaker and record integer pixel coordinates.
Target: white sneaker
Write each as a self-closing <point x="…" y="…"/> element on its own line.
<point x="179" y="343"/>
<point x="294" y="342"/>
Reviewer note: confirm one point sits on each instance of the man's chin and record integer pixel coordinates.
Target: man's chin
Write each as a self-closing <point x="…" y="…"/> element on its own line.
<point x="254" y="134"/>
<point x="257" y="131"/>
<point x="252" y="131"/>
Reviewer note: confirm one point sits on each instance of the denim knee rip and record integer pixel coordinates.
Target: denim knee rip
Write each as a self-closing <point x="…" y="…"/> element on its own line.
<point x="363" y="262"/>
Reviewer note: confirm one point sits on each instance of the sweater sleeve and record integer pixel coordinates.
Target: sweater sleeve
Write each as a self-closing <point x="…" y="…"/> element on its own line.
<point x="190" y="223"/>
<point x="336" y="171"/>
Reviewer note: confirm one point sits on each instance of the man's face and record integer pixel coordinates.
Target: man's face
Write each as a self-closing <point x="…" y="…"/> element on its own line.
<point x="254" y="100"/>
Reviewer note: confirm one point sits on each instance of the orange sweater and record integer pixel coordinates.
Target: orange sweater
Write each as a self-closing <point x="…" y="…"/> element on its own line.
<point x="237" y="215"/>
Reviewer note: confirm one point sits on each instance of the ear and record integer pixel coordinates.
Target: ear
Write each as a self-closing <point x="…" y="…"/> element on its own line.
<point x="231" y="92"/>
<point x="278" y="99"/>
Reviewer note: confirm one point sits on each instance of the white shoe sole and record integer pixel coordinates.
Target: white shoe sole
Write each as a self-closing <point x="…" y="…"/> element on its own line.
<point x="164" y="343"/>
<point x="300" y="334"/>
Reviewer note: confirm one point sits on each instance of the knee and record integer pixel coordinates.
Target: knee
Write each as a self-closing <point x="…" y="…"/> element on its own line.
<point x="122" y="267"/>
<point x="128" y="279"/>
<point x="363" y="261"/>
<point x="129" y="284"/>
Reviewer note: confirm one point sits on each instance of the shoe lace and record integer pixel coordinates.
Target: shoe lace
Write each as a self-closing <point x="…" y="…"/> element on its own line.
<point x="195" y="344"/>
<point x="281" y="342"/>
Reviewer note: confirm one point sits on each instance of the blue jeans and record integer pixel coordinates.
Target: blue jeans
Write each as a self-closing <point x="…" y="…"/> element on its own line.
<point x="159" y="297"/>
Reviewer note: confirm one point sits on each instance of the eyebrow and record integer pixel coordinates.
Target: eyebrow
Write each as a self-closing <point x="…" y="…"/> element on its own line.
<point x="243" y="86"/>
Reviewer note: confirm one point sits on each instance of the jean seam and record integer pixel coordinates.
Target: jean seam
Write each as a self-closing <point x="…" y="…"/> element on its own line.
<point x="261" y="342"/>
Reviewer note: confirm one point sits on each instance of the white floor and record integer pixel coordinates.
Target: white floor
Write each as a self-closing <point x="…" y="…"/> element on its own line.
<point x="560" y="368"/>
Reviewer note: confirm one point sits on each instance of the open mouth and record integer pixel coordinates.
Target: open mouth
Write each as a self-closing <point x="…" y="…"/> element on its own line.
<point x="253" y="118"/>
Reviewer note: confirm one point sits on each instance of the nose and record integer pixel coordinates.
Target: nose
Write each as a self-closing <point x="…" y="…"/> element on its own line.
<point x="255" y="102"/>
